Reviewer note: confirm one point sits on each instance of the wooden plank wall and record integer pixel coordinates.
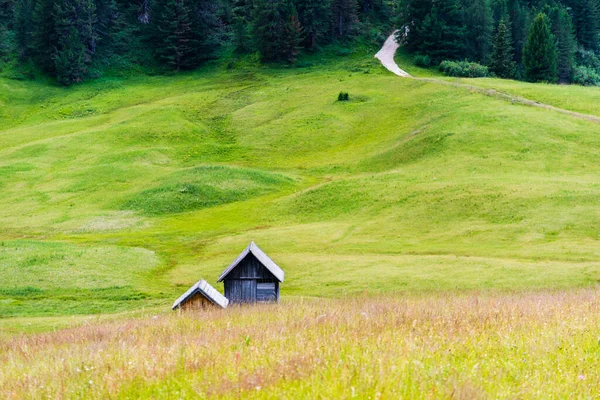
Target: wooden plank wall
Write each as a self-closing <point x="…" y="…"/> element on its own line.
<point x="241" y="282"/>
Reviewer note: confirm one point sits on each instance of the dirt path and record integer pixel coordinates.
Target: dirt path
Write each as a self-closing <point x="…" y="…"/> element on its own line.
<point x="386" y="56"/>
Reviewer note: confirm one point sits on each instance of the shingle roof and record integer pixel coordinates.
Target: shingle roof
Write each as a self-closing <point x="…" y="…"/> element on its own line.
<point x="204" y="289"/>
<point x="261" y="256"/>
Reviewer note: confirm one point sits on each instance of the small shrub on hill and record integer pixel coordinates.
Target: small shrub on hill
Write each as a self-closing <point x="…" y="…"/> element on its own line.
<point x="423" y="61"/>
<point x="343" y="96"/>
<point x="464" y="69"/>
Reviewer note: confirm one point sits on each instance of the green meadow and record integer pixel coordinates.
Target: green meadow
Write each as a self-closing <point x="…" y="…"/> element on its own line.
<point x="118" y="194"/>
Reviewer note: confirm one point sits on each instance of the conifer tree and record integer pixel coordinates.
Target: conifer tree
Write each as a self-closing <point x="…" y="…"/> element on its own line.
<point x="277" y="30"/>
<point x="6" y="20"/>
<point x="539" y="52"/>
<point x="314" y="16"/>
<point x="566" y="44"/>
<point x="587" y="22"/>
<point x="175" y="41"/>
<point x="479" y="29"/>
<point x="414" y="15"/>
<point x="443" y="32"/>
<point x="344" y="17"/>
<point x="502" y="63"/>
<point x="241" y="23"/>
<point x="44" y="35"/>
<point x="520" y="20"/>
<point x="75" y="39"/>
<point x="24" y="28"/>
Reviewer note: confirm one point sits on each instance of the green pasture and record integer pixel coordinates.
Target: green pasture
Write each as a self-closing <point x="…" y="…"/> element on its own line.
<point x="120" y="193"/>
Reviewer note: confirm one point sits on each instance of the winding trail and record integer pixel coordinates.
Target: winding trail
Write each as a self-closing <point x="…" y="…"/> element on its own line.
<point x="386" y="56"/>
<point x="388" y="51"/>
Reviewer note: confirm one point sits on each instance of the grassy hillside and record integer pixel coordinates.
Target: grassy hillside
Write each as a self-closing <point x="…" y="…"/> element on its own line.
<point x="120" y="193"/>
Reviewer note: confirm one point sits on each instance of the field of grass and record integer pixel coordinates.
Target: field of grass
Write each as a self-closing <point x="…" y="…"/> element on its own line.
<point x="439" y="240"/>
<point x="498" y="346"/>
<point x="118" y="194"/>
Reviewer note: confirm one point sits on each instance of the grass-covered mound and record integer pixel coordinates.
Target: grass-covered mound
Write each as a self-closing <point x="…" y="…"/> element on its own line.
<point x="204" y="187"/>
<point x="45" y="278"/>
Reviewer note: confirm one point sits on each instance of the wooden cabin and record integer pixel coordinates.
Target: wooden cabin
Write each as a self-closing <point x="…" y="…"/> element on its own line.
<point x="253" y="277"/>
<point x="200" y="296"/>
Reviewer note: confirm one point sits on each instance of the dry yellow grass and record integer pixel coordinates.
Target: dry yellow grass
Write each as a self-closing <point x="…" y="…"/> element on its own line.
<point x="533" y="345"/>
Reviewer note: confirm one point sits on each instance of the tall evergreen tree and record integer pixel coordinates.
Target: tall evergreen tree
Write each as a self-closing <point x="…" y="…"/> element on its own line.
<point x="6" y="19"/>
<point x="106" y="15"/>
<point x="241" y="24"/>
<point x="586" y="15"/>
<point x="314" y="16"/>
<point x="175" y="42"/>
<point x="207" y="25"/>
<point x="24" y="28"/>
<point x="502" y="63"/>
<point x="562" y="28"/>
<point x="76" y="40"/>
<point x="443" y="32"/>
<point x="414" y="14"/>
<point x="344" y="17"/>
<point x="520" y="19"/>
<point x="539" y="52"/>
<point x="44" y="35"/>
<point x="479" y="29"/>
<point x="277" y="30"/>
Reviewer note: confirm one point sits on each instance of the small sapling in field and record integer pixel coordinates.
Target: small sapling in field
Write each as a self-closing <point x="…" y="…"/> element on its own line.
<point x="343" y="96"/>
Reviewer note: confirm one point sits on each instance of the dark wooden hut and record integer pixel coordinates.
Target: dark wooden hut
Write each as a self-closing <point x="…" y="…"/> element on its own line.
<point x="200" y="296"/>
<point x="252" y="277"/>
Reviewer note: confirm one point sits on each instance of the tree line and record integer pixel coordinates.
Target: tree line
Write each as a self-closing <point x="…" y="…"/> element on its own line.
<point x="75" y="39"/>
<point x="71" y="40"/>
<point x="536" y="40"/>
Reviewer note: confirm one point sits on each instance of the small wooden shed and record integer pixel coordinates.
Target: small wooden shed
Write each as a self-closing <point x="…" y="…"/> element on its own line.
<point x="252" y="277"/>
<point x="200" y="296"/>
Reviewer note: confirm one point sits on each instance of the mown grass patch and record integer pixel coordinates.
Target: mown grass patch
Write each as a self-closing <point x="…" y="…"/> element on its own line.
<point x="43" y="278"/>
<point x="204" y="187"/>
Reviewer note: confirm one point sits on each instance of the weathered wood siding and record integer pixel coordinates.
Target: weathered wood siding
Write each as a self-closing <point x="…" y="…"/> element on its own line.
<point x="197" y="302"/>
<point x="241" y="284"/>
<point x="250" y="268"/>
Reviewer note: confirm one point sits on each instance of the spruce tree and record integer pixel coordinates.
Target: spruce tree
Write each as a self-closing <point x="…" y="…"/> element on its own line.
<point x="207" y="25"/>
<point x="75" y="39"/>
<point x="479" y="29"/>
<point x="24" y="28"/>
<point x="277" y="30"/>
<point x="443" y="32"/>
<point x="502" y="63"/>
<point x="539" y="52"/>
<point x="44" y="35"/>
<point x="241" y="22"/>
<point x="314" y="16"/>
<point x="344" y="18"/>
<point x="566" y="44"/>
<point x="415" y="13"/>
<point x="176" y="44"/>
<point x="587" y="22"/>
<point x="520" y="20"/>
<point x="6" y="19"/>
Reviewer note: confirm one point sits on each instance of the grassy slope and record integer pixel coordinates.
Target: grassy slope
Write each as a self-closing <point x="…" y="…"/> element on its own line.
<point x="150" y="183"/>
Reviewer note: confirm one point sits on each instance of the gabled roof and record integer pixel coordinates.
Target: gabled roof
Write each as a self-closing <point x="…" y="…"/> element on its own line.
<point x="261" y="256"/>
<point x="205" y="290"/>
